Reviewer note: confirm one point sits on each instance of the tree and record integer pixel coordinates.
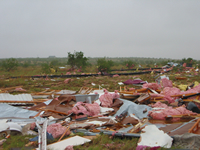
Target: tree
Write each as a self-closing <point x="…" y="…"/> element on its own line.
<point x="189" y="61"/>
<point x="10" y="64"/>
<point x="77" y="60"/>
<point x="104" y="65"/>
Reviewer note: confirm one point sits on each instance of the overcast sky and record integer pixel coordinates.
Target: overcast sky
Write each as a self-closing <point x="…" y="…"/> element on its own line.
<point x="111" y="28"/>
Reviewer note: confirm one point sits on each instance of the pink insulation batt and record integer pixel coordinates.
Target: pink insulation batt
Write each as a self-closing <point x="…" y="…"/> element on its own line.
<point x="166" y="83"/>
<point x="167" y="92"/>
<point x="165" y="97"/>
<point x="115" y="95"/>
<point x="162" y="113"/>
<point x="170" y="91"/>
<point x="159" y="105"/>
<point x="107" y="98"/>
<point x="56" y="130"/>
<point x="153" y="86"/>
<point x="193" y="90"/>
<point x="86" y="108"/>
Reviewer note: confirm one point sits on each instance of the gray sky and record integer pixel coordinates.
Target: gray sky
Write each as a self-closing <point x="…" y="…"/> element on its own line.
<point x="111" y="28"/>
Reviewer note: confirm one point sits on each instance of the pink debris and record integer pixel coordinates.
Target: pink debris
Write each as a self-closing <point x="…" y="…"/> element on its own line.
<point x="165" y="97"/>
<point x="167" y="92"/>
<point x="166" y="83"/>
<point x="116" y="75"/>
<point x="170" y="91"/>
<point x="69" y="147"/>
<point x="32" y="126"/>
<point x="159" y="105"/>
<point x="131" y="89"/>
<point x="82" y="73"/>
<point x="143" y="147"/>
<point x="68" y="73"/>
<point x="115" y="95"/>
<point x="20" y="89"/>
<point x="67" y="80"/>
<point x="57" y="130"/>
<point x="86" y="108"/>
<point x="106" y="99"/>
<point x="196" y="89"/>
<point x="153" y="95"/>
<point x="153" y="86"/>
<point x="168" y="111"/>
<point x="169" y="99"/>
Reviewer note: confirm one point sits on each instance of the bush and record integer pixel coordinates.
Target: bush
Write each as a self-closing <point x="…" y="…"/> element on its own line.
<point x="77" y="60"/>
<point x="10" y="64"/>
<point x="104" y="66"/>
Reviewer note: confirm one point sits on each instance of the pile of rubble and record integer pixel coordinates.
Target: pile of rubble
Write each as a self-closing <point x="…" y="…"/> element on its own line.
<point x="160" y="113"/>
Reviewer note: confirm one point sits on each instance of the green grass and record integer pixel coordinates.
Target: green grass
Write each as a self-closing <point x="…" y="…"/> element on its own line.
<point x="17" y="141"/>
<point x="107" y="143"/>
<point x="110" y="83"/>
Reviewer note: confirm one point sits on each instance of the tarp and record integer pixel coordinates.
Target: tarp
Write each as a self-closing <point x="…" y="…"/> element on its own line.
<point x="133" y="108"/>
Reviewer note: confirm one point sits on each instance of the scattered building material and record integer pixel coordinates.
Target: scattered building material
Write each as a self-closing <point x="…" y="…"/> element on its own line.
<point x="151" y="136"/>
<point x="195" y="128"/>
<point x="73" y="141"/>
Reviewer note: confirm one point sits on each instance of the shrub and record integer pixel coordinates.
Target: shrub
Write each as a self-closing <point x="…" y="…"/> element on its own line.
<point x="104" y="66"/>
<point x="77" y="60"/>
<point x="9" y="64"/>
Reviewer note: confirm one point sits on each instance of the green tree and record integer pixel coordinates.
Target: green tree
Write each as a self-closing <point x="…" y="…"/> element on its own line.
<point x="10" y="64"/>
<point x="77" y="60"/>
<point x="104" y="65"/>
<point x="189" y="61"/>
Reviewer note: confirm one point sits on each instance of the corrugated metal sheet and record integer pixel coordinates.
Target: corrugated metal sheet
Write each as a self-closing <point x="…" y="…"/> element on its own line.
<point x="19" y="97"/>
<point x="7" y="111"/>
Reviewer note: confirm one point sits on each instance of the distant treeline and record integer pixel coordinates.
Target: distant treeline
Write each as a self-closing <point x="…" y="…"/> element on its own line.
<point x="62" y="61"/>
<point x="116" y="60"/>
